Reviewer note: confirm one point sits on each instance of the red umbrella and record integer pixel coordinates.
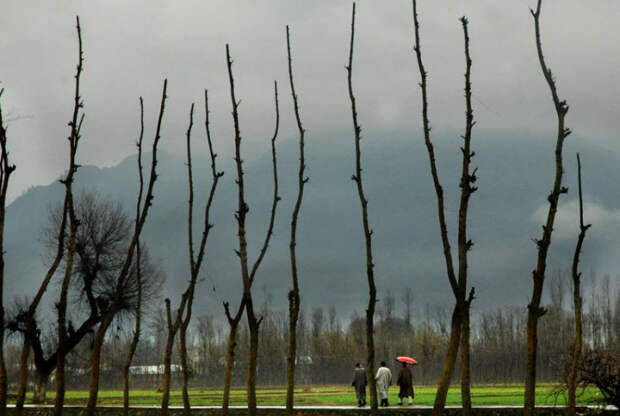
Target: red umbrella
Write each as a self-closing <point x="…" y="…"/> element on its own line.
<point x="407" y="360"/>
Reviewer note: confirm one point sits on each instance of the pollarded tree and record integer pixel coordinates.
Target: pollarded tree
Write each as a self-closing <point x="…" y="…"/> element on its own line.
<point x="534" y="310"/>
<point x="293" y="295"/>
<point x="460" y="326"/>
<point x="180" y="321"/>
<point x="370" y="274"/>
<point x="247" y="274"/>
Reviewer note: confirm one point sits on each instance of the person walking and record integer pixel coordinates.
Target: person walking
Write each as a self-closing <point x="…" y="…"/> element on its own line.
<point x="384" y="380"/>
<point x="360" y="380"/>
<point x="405" y="382"/>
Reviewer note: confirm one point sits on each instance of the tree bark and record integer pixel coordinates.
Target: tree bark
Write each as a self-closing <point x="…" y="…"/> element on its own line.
<point x="357" y="178"/>
<point x="449" y="361"/>
<point x="293" y="295"/>
<point x="535" y="311"/>
<point x="465" y="358"/>
<point x="254" y="325"/>
<point x="165" y="398"/>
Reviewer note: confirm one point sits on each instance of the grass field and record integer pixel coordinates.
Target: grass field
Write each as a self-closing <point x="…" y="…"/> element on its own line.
<point x="332" y="395"/>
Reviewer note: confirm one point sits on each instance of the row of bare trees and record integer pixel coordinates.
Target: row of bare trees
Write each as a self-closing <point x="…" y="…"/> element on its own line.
<point x="108" y="291"/>
<point x="331" y="340"/>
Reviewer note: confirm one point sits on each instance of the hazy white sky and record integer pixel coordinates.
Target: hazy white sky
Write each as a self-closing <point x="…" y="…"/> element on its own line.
<point x="130" y="46"/>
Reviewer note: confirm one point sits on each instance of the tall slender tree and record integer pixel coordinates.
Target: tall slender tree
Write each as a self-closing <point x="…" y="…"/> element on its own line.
<point x="534" y="310"/>
<point x="247" y="274"/>
<point x="293" y="294"/>
<point x="136" y="334"/>
<point x="370" y="274"/>
<point x="27" y="318"/>
<point x="75" y="126"/>
<point x="577" y="303"/>
<point x="6" y="169"/>
<point x="183" y="314"/>
<point x="460" y="325"/>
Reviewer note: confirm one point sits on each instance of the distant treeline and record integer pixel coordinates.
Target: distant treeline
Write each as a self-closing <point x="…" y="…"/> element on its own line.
<point x="329" y="345"/>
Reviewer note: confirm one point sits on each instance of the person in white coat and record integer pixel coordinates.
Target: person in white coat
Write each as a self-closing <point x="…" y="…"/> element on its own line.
<point x="384" y="380"/>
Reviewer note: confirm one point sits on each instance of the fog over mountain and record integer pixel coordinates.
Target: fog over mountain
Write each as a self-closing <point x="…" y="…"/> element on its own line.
<point x="514" y="178"/>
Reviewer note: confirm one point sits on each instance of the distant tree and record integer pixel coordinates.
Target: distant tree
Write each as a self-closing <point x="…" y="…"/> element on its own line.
<point x="6" y="169"/>
<point x="357" y="178"/>
<point x="534" y="310"/>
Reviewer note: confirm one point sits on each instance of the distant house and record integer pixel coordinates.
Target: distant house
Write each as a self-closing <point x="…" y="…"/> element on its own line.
<point x="153" y="369"/>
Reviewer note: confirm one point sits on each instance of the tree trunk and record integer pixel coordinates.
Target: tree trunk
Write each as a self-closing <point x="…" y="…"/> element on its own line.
<point x="292" y="347"/>
<point x="23" y="377"/>
<point x="230" y="363"/>
<point x="130" y="354"/>
<point x="370" y="350"/>
<point x="40" y="387"/>
<point x="252" y="360"/>
<point x="3" y="375"/>
<point x="448" y="365"/>
<point x="165" y="399"/>
<point x="534" y="310"/>
<point x="95" y="365"/>
<point x="530" y="364"/>
<point x="465" y="364"/>
<point x="185" y="372"/>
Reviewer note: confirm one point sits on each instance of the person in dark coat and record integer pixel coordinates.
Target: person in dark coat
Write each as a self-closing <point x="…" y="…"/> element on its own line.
<point x="405" y="382"/>
<point x="360" y="380"/>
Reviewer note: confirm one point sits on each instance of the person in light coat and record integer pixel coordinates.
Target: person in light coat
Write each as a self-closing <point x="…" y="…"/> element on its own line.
<point x="384" y="380"/>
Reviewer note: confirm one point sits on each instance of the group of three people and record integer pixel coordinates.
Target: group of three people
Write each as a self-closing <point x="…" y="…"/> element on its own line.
<point x="384" y="381"/>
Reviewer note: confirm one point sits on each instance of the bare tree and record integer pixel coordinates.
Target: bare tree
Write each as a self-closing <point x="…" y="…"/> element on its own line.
<point x="357" y="178"/>
<point x="534" y="310"/>
<point x="460" y="326"/>
<point x="248" y="275"/>
<point x="6" y="169"/>
<point x="75" y="126"/>
<point x="115" y="304"/>
<point x="293" y="294"/>
<point x="184" y="312"/>
<point x="138" y="315"/>
<point x="578" y="304"/>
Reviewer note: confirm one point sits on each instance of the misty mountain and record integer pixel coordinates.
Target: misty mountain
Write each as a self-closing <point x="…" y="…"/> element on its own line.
<point x="514" y="179"/>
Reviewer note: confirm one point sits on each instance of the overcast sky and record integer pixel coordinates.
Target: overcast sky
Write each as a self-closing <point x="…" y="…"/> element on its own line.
<point x="131" y="46"/>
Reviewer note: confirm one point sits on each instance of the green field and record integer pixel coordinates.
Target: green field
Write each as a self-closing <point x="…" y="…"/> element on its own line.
<point x="332" y="395"/>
